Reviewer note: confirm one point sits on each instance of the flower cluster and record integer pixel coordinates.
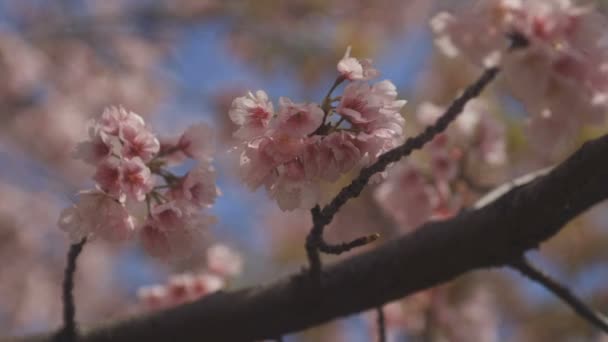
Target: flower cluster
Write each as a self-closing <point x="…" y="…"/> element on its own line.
<point x="410" y="197"/>
<point x="293" y="150"/>
<point x="135" y="192"/>
<point x="222" y="262"/>
<point x="564" y="66"/>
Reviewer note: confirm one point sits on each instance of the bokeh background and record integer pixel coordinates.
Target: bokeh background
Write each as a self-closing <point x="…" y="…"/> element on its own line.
<point x="178" y="62"/>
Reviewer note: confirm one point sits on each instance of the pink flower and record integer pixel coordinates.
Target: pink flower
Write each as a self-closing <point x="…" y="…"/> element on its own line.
<point x="107" y="177"/>
<point x="173" y="232"/>
<point x="168" y="215"/>
<point x="492" y="141"/>
<point x="354" y="69"/>
<point x="98" y="214"/>
<point x="565" y="58"/>
<point x="93" y="150"/>
<point x="406" y="197"/>
<point x="224" y="261"/>
<point x="198" y="188"/>
<point x="295" y="152"/>
<point x="252" y="113"/>
<point x="291" y="194"/>
<point x="153" y="297"/>
<point x="476" y="129"/>
<point x="187" y="287"/>
<point x="135" y="178"/>
<point x="205" y="284"/>
<point x="297" y="119"/>
<point x="358" y="104"/>
<point x="196" y="142"/>
<point x="261" y="155"/>
<point x="154" y="239"/>
<point x="256" y="165"/>
<point x="363" y="104"/>
<point x="113" y="118"/>
<point x="443" y="166"/>
<point x="182" y="288"/>
<point x="138" y="141"/>
<point x="344" y="154"/>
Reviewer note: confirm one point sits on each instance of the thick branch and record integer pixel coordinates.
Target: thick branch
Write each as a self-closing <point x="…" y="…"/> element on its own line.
<point x="489" y="235"/>
<point x="595" y="318"/>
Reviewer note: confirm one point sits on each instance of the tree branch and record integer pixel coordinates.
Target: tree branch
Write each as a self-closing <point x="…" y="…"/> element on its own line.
<point x="69" y="333"/>
<point x="595" y="318"/>
<point x="493" y="233"/>
<point x="323" y="217"/>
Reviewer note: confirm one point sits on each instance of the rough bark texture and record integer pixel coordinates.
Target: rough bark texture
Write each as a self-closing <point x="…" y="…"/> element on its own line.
<point x="490" y="235"/>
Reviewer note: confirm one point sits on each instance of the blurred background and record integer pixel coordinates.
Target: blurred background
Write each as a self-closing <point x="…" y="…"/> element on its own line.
<point x="178" y="62"/>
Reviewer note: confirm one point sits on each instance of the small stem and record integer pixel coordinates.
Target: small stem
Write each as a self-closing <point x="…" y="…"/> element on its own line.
<point x="326" y="103"/>
<point x="148" y="206"/>
<point x="327" y="99"/>
<point x="346" y="246"/>
<point x="166" y="152"/>
<point x="593" y="317"/>
<point x="160" y="187"/>
<point x="339" y="122"/>
<point x="68" y="333"/>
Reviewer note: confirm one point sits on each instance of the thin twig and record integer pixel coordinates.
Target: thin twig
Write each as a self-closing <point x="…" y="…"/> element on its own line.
<point x="322" y="217"/>
<point x="68" y="332"/>
<point x="381" y="322"/>
<point x="346" y="246"/>
<point x="593" y="317"/>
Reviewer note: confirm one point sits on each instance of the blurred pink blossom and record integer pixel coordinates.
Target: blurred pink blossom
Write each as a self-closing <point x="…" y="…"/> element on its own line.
<point x="97" y="214"/>
<point x="224" y="261"/>
<point x="180" y="289"/>
<point x="565" y="65"/>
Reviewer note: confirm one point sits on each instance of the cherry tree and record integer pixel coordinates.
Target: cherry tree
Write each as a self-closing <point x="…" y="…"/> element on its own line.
<point x="372" y="202"/>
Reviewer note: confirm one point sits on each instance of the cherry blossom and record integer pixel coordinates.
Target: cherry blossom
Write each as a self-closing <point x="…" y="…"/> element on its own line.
<point x="114" y="118"/>
<point x="222" y="264"/>
<point x="108" y="178"/>
<point x="129" y="164"/>
<point x="97" y="214"/>
<point x="419" y="190"/>
<point x="93" y="150"/>
<point x="412" y="207"/>
<point x="354" y="69"/>
<point x="197" y="187"/>
<point x="154" y="239"/>
<point x="135" y="178"/>
<point x="252" y="113"/>
<point x="138" y="142"/>
<point x="196" y="142"/>
<point x="180" y="289"/>
<point x="306" y="144"/>
<point x="297" y="119"/>
<point x="168" y="215"/>
<point x="563" y="67"/>
<point x="224" y="261"/>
